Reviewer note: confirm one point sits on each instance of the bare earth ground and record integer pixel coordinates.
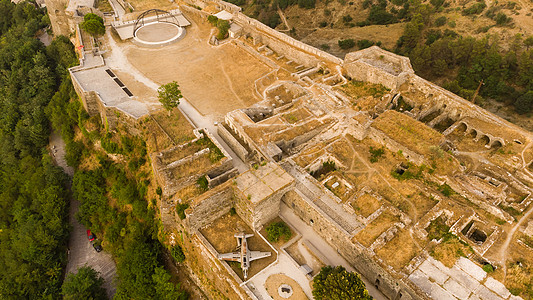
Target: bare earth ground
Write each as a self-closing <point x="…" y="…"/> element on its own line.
<point x="215" y="80"/>
<point x="220" y="235"/>
<point x="274" y="281"/>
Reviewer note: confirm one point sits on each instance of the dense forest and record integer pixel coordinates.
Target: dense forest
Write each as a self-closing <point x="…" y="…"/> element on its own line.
<point x="437" y="52"/>
<point x="36" y="97"/>
<point x="506" y="75"/>
<point x="33" y="198"/>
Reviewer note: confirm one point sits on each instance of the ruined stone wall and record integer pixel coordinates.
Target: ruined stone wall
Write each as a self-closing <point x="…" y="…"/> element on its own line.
<point x="392" y="145"/>
<point x="241" y="152"/>
<point x="208" y="272"/>
<point x="287" y="145"/>
<point x="282" y="43"/>
<point x="362" y="71"/>
<point x="209" y="207"/>
<point x="340" y="241"/>
<point x="268" y="209"/>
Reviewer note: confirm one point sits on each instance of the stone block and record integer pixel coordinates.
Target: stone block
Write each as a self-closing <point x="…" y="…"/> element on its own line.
<point x="497" y="287"/>
<point x="421" y="280"/>
<point x="471" y="268"/>
<point x="433" y="272"/>
<point x="456" y="289"/>
<point x="485" y="294"/>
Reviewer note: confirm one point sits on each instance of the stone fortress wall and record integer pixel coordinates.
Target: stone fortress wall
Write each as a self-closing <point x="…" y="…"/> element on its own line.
<point x="91" y="100"/>
<point x="372" y="65"/>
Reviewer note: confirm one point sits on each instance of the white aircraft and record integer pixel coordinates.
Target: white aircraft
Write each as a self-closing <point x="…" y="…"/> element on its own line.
<point x="244" y="256"/>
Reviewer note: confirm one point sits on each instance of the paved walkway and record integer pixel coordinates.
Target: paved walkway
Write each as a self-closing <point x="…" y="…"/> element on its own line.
<point x="81" y="252"/>
<point x="335" y="259"/>
<point x="119" y="10"/>
<point x="117" y="60"/>
<point x="284" y="265"/>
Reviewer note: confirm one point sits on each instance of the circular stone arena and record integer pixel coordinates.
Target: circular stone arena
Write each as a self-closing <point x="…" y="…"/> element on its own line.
<point x="157" y="34"/>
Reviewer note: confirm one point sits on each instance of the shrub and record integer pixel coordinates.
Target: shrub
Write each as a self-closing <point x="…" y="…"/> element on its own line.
<point x="232" y="211"/>
<point x="180" y="209"/>
<point x="440" y="21"/>
<point x="347" y="18"/>
<point x="363" y="44"/>
<point x="446" y="190"/>
<point x="307" y="3"/>
<point x="488" y="268"/>
<point x="376" y="154"/>
<point x="277" y="230"/>
<point x="202" y="183"/>
<point x="177" y="253"/>
<point x="502" y="19"/>
<point x="212" y="19"/>
<point x="474" y="9"/>
<point x="346" y="44"/>
<point x="223" y="27"/>
<point x="335" y="283"/>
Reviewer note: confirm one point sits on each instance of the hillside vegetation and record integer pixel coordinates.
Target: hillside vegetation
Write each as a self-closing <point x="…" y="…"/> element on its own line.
<point x="33" y="197"/>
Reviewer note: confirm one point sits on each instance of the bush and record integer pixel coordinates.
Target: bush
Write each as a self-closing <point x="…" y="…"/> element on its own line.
<point x="177" y="253"/>
<point x="212" y="19"/>
<point x="346" y="44"/>
<point x="307" y="3"/>
<point x="440" y="21"/>
<point x="335" y="283"/>
<point x="180" y="209"/>
<point x="277" y="230"/>
<point x="446" y="190"/>
<point x="502" y="19"/>
<point x="223" y="27"/>
<point x="202" y="183"/>
<point x="347" y="18"/>
<point x="474" y="9"/>
<point x="376" y="154"/>
<point x="380" y="16"/>
<point x="363" y="44"/>
<point x="488" y="268"/>
<point x="232" y="211"/>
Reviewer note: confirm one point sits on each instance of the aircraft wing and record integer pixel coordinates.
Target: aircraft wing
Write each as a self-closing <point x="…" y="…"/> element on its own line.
<point x="232" y="256"/>
<point x="258" y="254"/>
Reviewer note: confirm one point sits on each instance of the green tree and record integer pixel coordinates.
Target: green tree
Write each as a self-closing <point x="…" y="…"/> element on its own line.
<point x="528" y="42"/>
<point x="335" y="283"/>
<point x="524" y="103"/>
<point x="166" y="290"/>
<point x="93" y="24"/>
<point x="86" y="284"/>
<point x="169" y="95"/>
<point x="277" y="230"/>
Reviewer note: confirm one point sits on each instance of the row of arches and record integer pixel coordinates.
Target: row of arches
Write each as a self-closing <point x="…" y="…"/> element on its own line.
<point x="478" y="136"/>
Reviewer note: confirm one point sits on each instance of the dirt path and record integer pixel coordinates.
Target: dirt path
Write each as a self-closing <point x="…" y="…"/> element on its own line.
<point x="503" y="249"/>
<point x="284" y="20"/>
<point x="81" y="253"/>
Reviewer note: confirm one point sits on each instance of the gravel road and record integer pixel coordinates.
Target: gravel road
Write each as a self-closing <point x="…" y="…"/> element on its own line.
<point x="81" y="252"/>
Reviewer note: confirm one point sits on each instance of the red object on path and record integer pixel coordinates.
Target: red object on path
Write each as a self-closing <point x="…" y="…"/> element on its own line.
<point x="90" y="235"/>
